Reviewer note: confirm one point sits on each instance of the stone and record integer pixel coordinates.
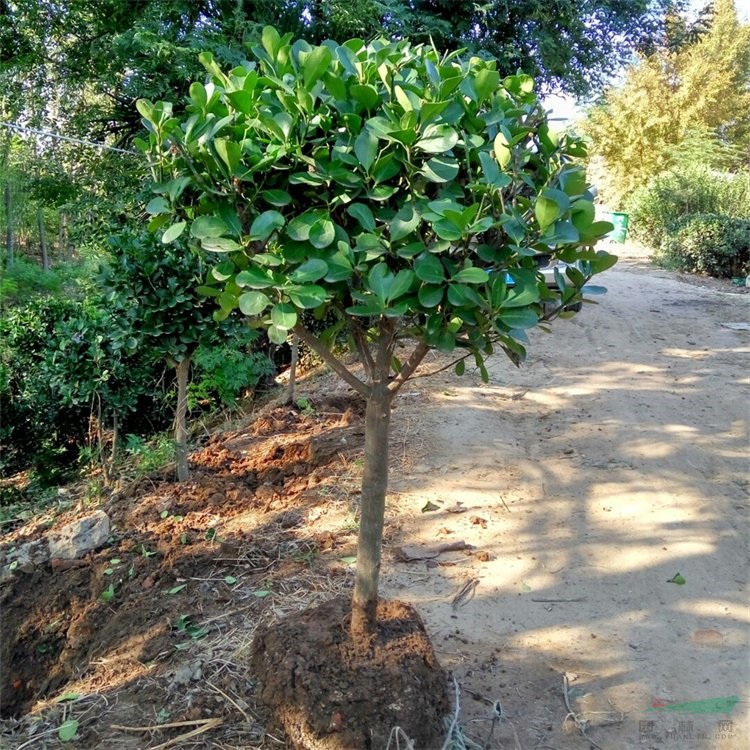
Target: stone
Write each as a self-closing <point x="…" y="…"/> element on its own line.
<point x="80" y="537"/>
<point x="30" y="554"/>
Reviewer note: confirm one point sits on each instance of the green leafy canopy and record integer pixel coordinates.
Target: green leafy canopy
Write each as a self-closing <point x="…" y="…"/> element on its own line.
<point x="380" y="182"/>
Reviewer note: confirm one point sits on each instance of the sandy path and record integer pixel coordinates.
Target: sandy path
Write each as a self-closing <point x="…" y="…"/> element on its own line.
<point x="615" y="458"/>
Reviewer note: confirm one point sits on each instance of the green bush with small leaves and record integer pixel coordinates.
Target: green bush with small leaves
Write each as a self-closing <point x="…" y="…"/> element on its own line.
<point x="710" y="244"/>
<point x="656" y="209"/>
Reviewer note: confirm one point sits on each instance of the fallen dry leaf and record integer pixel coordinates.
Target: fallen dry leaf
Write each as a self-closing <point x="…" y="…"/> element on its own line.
<point x="479" y="521"/>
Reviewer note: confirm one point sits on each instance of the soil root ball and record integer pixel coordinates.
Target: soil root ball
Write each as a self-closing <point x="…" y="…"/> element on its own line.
<point x="329" y="693"/>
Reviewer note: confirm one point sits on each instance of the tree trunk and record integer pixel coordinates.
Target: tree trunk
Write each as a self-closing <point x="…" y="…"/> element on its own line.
<point x="42" y="238"/>
<point x="180" y="420"/>
<point x="374" y="488"/>
<point x="372" y="512"/>
<point x="62" y="238"/>
<point x="293" y="369"/>
<point x="9" y="238"/>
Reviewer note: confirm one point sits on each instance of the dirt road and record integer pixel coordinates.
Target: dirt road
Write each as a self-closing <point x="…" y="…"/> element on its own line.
<point x="597" y="478"/>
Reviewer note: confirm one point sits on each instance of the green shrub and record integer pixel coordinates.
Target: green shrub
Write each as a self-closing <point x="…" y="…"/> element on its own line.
<point x="35" y="424"/>
<point x="709" y="243"/>
<point x="225" y="370"/>
<point x="656" y="209"/>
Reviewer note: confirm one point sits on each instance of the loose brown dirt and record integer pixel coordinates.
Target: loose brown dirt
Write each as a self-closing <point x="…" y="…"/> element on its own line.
<point x="330" y="693"/>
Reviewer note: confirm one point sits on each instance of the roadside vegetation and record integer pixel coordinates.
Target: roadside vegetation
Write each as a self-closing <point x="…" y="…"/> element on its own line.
<point x="670" y="145"/>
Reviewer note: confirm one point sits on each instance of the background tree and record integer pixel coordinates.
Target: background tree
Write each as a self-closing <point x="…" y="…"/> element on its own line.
<point x="405" y="192"/>
<point x="690" y="102"/>
<point x="151" y="292"/>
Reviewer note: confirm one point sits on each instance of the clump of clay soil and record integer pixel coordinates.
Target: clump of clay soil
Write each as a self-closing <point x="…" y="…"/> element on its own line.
<point x="330" y="693"/>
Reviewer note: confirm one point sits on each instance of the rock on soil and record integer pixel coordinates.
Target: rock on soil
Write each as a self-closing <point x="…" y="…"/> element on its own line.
<point x="79" y="537"/>
<point x="328" y="693"/>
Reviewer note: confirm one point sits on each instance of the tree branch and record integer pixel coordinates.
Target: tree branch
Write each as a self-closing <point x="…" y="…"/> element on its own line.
<point x="335" y="364"/>
<point x="420" y="350"/>
<point x="444" y="367"/>
<point x="360" y="339"/>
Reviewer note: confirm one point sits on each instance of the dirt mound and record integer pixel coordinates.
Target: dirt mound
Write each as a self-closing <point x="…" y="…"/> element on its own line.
<point x="175" y="550"/>
<point x="329" y="693"/>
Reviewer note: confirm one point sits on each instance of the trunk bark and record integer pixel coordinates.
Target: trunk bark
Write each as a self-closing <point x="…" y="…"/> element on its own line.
<point x="9" y="237"/>
<point x="62" y="237"/>
<point x="374" y="488"/>
<point x="42" y="238"/>
<point x="180" y="421"/>
<point x="293" y="369"/>
<point x="372" y="512"/>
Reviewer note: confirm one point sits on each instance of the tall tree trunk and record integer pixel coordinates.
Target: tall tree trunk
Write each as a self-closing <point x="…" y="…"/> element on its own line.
<point x="180" y="420"/>
<point x="42" y="238"/>
<point x="62" y="237"/>
<point x="9" y="237"/>
<point x="372" y="513"/>
<point x="374" y="488"/>
<point x="293" y="369"/>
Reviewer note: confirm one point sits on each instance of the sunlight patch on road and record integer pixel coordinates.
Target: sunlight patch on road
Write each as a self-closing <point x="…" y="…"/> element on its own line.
<point x="640" y="557"/>
<point x="714" y="608"/>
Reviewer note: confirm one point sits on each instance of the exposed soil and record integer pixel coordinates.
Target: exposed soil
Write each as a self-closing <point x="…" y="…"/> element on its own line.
<point x="536" y="523"/>
<point x="329" y="693"/>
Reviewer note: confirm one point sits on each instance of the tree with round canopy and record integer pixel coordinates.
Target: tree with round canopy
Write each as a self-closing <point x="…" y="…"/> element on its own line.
<point x="407" y="192"/>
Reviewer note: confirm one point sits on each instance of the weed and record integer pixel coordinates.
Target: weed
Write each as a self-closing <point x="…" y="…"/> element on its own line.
<point x="151" y="455"/>
<point x="304" y="405"/>
<point x="185" y="626"/>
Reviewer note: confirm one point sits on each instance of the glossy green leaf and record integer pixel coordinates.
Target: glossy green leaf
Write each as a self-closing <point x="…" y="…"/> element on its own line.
<point x="229" y="152"/>
<point x="315" y="65"/>
<point x="173" y="232"/>
<point x="253" y="303"/>
<point x="311" y="270"/>
<point x="220" y="245"/>
<point x="437" y="139"/>
<point x="254" y="278"/>
<point x="308" y="296"/>
<point x="265" y="225"/>
<point x="224" y="270"/>
<point x="198" y="94"/>
<point x="546" y="211"/>
<point x="486" y="83"/>
<point x="157" y="206"/>
<point x="502" y="151"/>
<point x="299" y="227"/>
<point x="401" y="284"/>
<point x="277" y="198"/>
<point x="363" y="215"/>
<point x="277" y="335"/>
<point x="365" y="94"/>
<point x="379" y="281"/>
<point x="366" y="148"/>
<point x="244" y="101"/>
<point x="205" y="227"/>
<point x="404" y="223"/>
<point x="520" y="318"/>
<point x="284" y="315"/>
<point x="441" y="169"/>
<point x="322" y="233"/>
<point x="429" y="269"/>
<point x="430" y="295"/>
<point x="471" y="276"/>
